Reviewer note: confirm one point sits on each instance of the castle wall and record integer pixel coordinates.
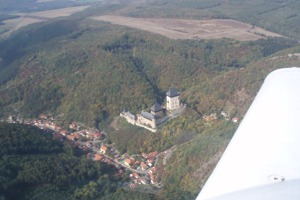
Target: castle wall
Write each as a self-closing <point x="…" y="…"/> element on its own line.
<point x="145" y="121"/>
<point x="129" y="117"/>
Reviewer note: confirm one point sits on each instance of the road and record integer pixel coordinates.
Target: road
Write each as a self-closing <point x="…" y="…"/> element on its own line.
<point x="96" y="150"/>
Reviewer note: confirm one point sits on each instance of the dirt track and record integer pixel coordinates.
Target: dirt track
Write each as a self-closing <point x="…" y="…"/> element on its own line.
<point x="192" y="29"/>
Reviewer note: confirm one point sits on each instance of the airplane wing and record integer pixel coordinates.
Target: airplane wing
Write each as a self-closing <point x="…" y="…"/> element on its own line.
<point x="262" y="161"/>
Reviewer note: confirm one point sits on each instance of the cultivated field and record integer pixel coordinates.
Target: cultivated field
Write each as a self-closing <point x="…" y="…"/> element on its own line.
<point x="34" y="17"/>
<point x="192" y="29"/>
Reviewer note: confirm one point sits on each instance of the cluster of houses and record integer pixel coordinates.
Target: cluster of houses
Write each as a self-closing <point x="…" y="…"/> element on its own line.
<point x="157" y="115"/>
<point x="145" y="165"/>
<point x="137" y="179"/>
<point x="224" y="114"/>
<point x="45" y="122"/>
<point x="141" y="164"/>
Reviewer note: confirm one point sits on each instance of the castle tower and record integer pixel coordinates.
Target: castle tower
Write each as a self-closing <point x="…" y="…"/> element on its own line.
<point x="156" y="110"/>
<point x="173" y="101"/>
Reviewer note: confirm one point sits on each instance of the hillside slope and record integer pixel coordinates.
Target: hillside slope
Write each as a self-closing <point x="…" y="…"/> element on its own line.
<point x="90" y="71"/>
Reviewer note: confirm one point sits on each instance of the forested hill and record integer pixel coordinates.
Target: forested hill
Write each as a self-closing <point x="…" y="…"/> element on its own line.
<point x="34" y="165"/>
<point x="91" y="71"/>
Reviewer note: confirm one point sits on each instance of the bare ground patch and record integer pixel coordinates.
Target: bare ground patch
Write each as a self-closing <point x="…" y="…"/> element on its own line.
<point x="192" y="29"/>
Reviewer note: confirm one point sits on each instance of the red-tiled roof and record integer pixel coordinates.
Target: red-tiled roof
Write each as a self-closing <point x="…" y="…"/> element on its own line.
<point x="143" y="165"/>
<point x="103" y="148"/>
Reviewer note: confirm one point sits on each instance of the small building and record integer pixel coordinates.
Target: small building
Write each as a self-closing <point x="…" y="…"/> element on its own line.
<point x="73" y="137"/>
<point x="235" y="119"/>
<point x="143" y="166"/>
<point x="225" y="114"/>
<point x="152" y="154"/>
<point x="64" y="132"/>
<point x="103" y="149"/>
<point x="144" y="155"/>
<point x="73" y="126"/>
<point x="134" y="175"/>
<point x="150" y="161"/>
<point x="152" y="170"/>
<point x="173" y="101"/>
<point x="43" y="116"/>
<point x="153" y="179"/>
<point x="97" y="157"/>
<point x="128" y="162"/>
<point x="143" y="181"/>
<point x="97" y="135"/>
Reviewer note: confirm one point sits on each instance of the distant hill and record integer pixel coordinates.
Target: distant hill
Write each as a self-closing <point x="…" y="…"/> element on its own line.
<point x="278" y="16"/>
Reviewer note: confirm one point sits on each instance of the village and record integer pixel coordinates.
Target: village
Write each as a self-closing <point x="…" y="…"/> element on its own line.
<point x="142" y="167"/>
<point x="93" y="143"/>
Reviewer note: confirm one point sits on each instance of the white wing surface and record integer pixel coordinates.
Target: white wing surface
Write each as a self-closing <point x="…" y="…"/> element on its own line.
<point x="262" y="161"/>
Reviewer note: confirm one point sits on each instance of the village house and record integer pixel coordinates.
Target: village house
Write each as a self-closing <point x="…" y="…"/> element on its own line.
<point x="72" y="126"/>
<point x="103" y="149"/>
<point x="150" y="161"/>
<point x="143" y="166"/>
<point x="137" y="162"/>
<point x="153" y="179"/>
<point x="143" y="181"/>
<point x="97" y="135"/>
<point x="128" y="162"/>
<point x="138" y="181"/>
<point x="117" y="165"/>
<point x="210" y="117"/>
<point x="152" y="154"/>
<point x="98" y="157"/>
<point x="235" y="119"/>
<point x="73" y="136"/>
<point x="58" y="128"/>
<point x="64" y="132"/>
<point x="134" y="175"/>
<point x="152" y="170"/>
<point x="225" y="115"/>
<point x="144" y="155"/>
<point x="43" y="116"/>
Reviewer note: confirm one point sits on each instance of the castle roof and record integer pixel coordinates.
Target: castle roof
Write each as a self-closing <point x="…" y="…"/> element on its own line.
<point x="156" y="107"/>
<point x="147" y="115"/>
<point x="172" y="92"/>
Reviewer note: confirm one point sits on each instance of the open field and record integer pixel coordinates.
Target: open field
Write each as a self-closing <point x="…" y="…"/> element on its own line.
<point x="57" y="12"/>
<point x="34" y="17"/>
<point x="192" y="29"/>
